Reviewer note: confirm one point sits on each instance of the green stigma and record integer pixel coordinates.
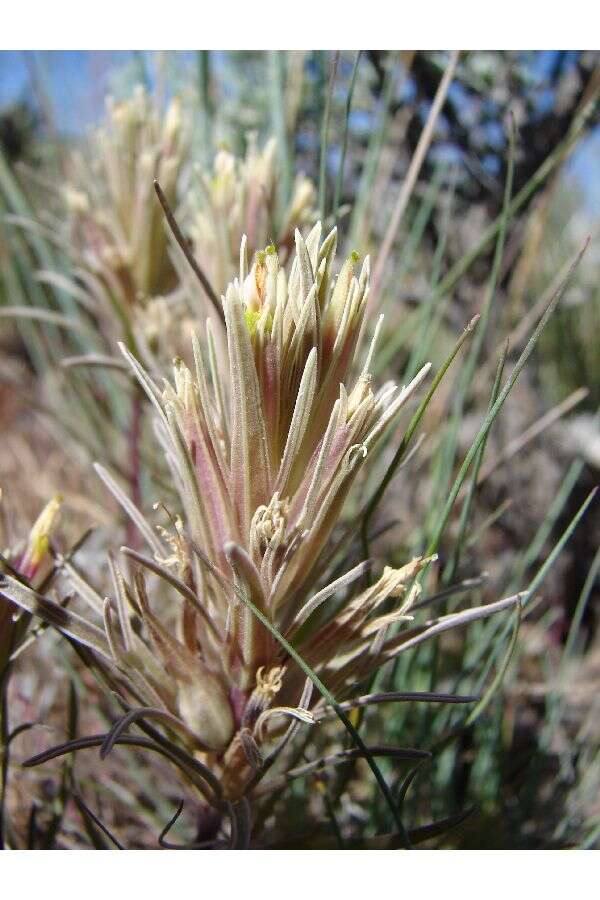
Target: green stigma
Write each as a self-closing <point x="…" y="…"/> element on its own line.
<point x="252" y="316"/>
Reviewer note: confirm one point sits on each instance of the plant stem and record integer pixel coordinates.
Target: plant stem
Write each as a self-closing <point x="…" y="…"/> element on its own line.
<point x="324" y="132"/>
<point x="134" y="439"/>
<point x="340" y="175"/>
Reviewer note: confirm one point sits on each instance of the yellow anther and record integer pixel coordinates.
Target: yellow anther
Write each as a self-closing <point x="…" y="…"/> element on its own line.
<point x="270" y="684"/>
<point x="39" y="534"/>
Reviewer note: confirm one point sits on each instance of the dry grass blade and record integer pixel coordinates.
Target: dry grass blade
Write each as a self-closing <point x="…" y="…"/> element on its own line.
<point x="502" y="670"/>
<point x="68" y="623"/>
<point x="324" y="132"/>
<point x="412" y="175"/>
<point x="455" y="620"/>
<point x="163" y="573"/>
<point x="337" y="759"/>
<point x="401" y="697"/>
<point x="95" y="821"/>
<point x="40" y="315"/>
<point x="340" y="175"/>
<point x="130" y="508"/>
<point x="495" y="409"/>
<point x="185" y="249"/>
<point x="146" y="712"/>
<point x="323" y="690"/>
<point x="93" y="360"/>
<point x="442" y="826"/>
<point x="377" y="495"/>
<point x="515" y="446"/>
<point x="468" y="584"/>
<point x="190" y="766"/>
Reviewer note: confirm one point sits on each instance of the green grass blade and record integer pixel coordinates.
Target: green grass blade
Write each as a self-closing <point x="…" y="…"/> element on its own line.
<point x="552" y="161"/>
<point x="489" y="419"/>
<point x="580" y="610"/>
<point x="465" y="378"/>
<point x="400" y="452"/>
<point x="326" y="694"/>
<point x="276" y="66"/>
<point x="373" y="155"/>
<point x="453" y="563"/>
<point x="340" y="175"/>
<point x="496" y="684"/>
<point x="324" y="134"/>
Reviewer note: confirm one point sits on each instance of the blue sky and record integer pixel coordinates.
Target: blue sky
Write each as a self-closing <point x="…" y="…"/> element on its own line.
<point x="78" y="81"/>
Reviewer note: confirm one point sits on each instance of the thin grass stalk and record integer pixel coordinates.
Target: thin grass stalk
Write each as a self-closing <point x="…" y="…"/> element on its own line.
<point x="372" y="504"/>
<point x="38" y="298"/>
<point x="430" y="315"/>
<point x="580" y="609"/>
<point x="519" y="443"/>
<point x="324" y="134"/>
<point x="496" y="683"/>
<point x="328" y="696"/>
<point x="453" y="564"/>
<point x="467" y="373"/>
<point x="31" y="336"/>
<point x="451" y="568"/>
<point x="16" y="201"/>
<point x="555" y="158"/>
<point x="401" y="334"/>
<point x="412" y="175"/>
<point x="276" y="73"/>
<point x="489" y="419"/>
<point x="532" y="552"/>
<point x="205" y="104"/>
<point x="501" y="634"/>
<point x="494" y="516"/>
<point x="348" y="108"/>
<point x="556" y="699"/>
<point x="185" y="249"/>
<point x="531" y="589"/>
<point x="373" y="154"/>
<point x="496" y="636"/>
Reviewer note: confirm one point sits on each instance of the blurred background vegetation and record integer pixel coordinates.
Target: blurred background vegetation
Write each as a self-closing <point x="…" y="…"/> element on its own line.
<point x="529" y="763"/>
